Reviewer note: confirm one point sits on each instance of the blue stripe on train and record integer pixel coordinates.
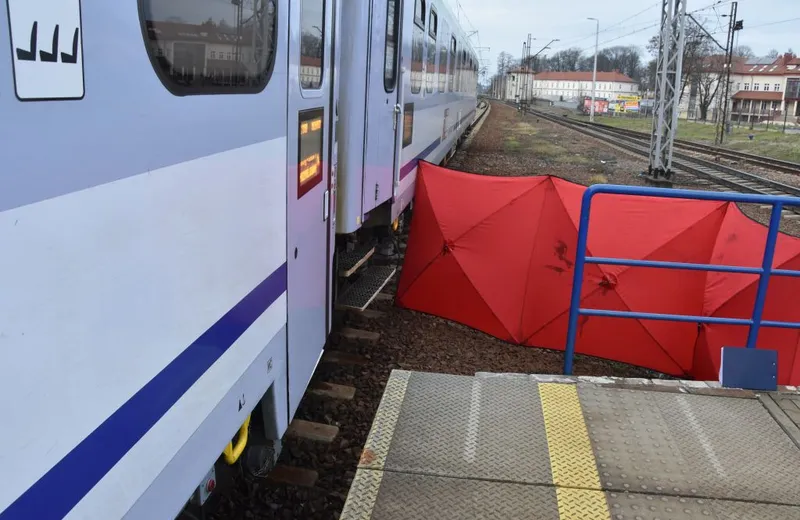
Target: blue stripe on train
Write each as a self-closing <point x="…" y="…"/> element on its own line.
<point x="60" y="489"/>
<point x="65" y="484"/>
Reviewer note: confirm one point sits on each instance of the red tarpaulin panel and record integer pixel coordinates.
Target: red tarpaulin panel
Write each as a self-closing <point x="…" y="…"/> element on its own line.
<point x="496" y="253"/>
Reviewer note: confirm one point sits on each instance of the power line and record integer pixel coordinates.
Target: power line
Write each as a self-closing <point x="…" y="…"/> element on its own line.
<point x="652" y="23"/>
<point x="569" y="43"/>
<point x="773" y="23"/>
<point x="651" y="26"/>
<point x="633" y="16"/>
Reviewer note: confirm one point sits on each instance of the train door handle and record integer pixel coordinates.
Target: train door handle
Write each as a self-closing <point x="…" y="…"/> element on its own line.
<point x="396" y="112"/>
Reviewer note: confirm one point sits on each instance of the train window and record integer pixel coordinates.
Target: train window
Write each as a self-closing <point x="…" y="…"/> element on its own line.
<point x="390" y="53"/>
<point x="462" y="62"/>
<point x="463" y="75"/>
<point x="474" y="75"/>
<point x="471" y="72"/>
<point x="187" y="42"/>
<point x="443" y="58"/>
<point x="312" y="42"/>
<point x="433" y="27"/>
<point x="459" y="65"/>
<point x="452" y="64"/>
<point x="309" y="150"/>
<point x="466" y="72"/>
<point x="408" y="124"/>
<point x="419" y="13"/>
<point x="418" y="47"/>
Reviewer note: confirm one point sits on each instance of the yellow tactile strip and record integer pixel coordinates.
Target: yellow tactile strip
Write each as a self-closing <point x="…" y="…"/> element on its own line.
<point x="363" y="495"/>
<point x="380" y="435"/>
<point x="572" y="461"/>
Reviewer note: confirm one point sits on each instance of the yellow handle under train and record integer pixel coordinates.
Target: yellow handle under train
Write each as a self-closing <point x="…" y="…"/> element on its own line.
<point x="232" y="453"/>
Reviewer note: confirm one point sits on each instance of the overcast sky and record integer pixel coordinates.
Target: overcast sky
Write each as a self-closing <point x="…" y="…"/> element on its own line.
<point x="504" y="24"/>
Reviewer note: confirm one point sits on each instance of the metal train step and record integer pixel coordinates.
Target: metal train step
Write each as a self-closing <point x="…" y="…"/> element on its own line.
<point x="366" y="288"/>
<point x="350" y="261"/>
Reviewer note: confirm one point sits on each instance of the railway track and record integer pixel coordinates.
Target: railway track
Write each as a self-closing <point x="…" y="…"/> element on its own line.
<point x="741" y="157"/>
<point x="710" y="173"/>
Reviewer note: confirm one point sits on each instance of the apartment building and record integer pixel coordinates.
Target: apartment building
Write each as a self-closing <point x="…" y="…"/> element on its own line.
<point x="761" y="89"/>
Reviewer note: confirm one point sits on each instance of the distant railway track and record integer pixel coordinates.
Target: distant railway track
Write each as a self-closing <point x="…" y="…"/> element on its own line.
<point x="744" y="157"/>
<point x="715" y="175"/>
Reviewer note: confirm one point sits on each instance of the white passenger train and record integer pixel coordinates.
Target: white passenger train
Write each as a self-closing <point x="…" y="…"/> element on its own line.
<point x="177" y="181"/>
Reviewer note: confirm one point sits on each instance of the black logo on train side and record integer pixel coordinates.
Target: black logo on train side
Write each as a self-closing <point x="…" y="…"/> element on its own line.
<point x="52" y="56"/>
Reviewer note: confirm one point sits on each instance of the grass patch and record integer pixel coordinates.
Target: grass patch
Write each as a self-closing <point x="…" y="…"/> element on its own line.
<point x="767" y="145"/>
<point x="598" y="179"/>
<point x="511" y="144"/>
<point x="547" y="149"/>
<point x="525" y="129"/>
<point x="575" y="159"/>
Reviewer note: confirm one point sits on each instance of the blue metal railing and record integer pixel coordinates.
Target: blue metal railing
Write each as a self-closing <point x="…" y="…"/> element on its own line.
<point x="764" y="272"/>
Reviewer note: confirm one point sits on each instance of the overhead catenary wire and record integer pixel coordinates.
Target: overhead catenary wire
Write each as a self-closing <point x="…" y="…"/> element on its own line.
<point x="615" y="27"/>
<point x="766" y="24"/>
<point x="610" y="27"/>
<point x="651" y="24"/>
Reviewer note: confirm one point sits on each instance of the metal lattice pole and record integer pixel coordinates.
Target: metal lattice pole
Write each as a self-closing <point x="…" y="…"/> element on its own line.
<point x="668" y="87"/>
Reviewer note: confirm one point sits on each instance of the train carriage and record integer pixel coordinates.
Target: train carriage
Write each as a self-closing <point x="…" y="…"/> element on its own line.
<point x="410" y="107"/>
<point x="177" y="179"/>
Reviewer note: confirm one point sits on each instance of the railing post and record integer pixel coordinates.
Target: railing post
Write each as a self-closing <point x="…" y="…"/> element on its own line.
<point x="577" y="278"/>
<point x="763" y="280"/>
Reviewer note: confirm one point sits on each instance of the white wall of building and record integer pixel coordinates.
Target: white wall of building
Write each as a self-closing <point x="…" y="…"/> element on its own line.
<point x="568" y="90"/>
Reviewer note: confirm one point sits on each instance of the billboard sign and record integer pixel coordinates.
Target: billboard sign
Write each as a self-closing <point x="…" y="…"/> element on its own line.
<point x="600" y="105"/>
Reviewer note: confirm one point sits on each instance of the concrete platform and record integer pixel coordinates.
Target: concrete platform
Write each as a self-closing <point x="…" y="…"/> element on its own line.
<point x="509" y="446"/>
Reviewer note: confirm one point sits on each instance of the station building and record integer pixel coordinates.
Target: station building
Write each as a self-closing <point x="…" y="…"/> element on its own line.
<point x="567" y="86"/>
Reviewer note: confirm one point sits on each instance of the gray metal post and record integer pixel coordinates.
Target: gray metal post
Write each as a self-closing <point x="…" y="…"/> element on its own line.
<point x="733" y="26"/>
<point x="594" y="70"/>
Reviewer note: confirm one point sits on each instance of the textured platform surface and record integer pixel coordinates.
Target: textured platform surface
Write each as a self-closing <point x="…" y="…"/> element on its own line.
<point x="542" y="447"/>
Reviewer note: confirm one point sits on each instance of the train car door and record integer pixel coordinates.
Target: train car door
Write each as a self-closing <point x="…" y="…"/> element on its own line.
<point x="308" y="149"/>
<point x="334" y="155"/>
<point x="383" y="102"/>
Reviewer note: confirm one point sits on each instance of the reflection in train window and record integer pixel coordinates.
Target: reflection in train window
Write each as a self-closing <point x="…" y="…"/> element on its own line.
<point x="433" y="27"/>
<point x="187" y="43"/>
<point x="418" y="47"/>
<point x="309" y="150"/>
<point x="408" y="124"/>
<point x="443" y="57"/>
<point x="390" y="53"/>
<point x="312" y="42"/>
<point x="451" y="74"/>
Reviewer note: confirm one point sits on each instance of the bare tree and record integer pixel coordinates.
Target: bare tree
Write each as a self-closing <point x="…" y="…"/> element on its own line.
<point x="566" y="60"/>
<point x="744" y="51"/>
<point x="773" y="53"/>
<point x="697" y="48"/>
<point x="708" y="82"/>
<point x="625" y="59"/>
<point x="505" y="62"/>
